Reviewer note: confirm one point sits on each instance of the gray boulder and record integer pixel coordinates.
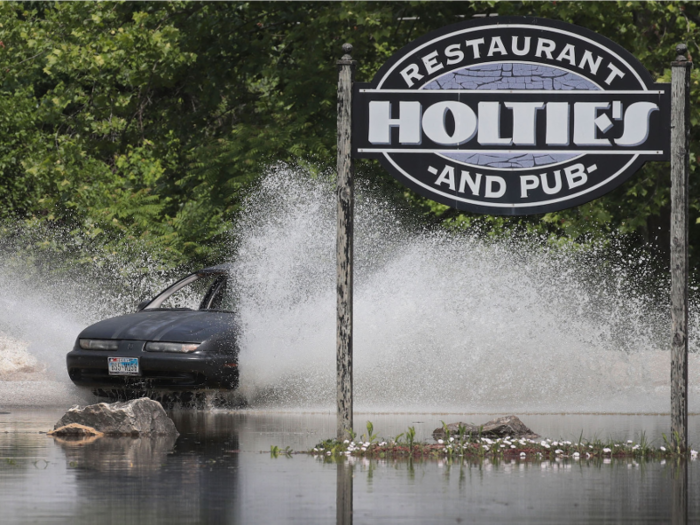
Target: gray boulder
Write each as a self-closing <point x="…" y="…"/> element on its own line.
<point x="131" y="418"/>
<point x="496" y="428"/>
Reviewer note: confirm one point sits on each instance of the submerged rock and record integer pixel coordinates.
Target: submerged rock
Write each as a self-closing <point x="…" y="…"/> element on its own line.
<point x="499" y="427"/>
<point x="131" y="418"/>
<point x="75" y="430"/>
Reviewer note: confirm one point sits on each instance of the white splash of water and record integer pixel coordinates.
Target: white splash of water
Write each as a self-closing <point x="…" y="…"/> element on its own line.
<point x="443" y="321"/>
<point x="33" y="356"/>
<point x="46" y="299"/>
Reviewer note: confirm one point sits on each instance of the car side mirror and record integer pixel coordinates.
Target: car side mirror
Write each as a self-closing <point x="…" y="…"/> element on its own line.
<point x="142" y="305"/>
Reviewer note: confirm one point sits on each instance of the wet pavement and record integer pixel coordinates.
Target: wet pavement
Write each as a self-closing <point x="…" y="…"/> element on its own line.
<point x="220" y="470"/>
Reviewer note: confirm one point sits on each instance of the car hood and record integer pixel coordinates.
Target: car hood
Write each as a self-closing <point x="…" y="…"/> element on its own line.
<point x="181" y="326"/>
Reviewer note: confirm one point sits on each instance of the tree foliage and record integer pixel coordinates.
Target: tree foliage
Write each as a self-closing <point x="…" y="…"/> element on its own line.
<point x="145" y="122"/>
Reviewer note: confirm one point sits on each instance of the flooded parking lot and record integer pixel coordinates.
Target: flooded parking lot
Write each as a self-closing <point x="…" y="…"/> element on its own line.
<point x="220" y="470"/>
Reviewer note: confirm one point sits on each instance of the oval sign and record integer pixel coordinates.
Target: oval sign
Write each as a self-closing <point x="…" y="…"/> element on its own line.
<point x="512" y="116"/>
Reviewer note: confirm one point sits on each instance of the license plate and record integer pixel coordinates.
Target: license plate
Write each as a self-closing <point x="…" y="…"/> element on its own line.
<point x="123" y="366"/>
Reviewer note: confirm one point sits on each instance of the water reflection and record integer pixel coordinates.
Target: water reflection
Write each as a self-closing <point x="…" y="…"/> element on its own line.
<point x="131" y="456"/>
<point x="189" y="479"/>
<point x="679" y="506"/>
<point x="343" y="498"/>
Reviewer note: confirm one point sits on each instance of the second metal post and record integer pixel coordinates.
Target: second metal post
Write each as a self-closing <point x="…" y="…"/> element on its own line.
<point x="680" y="132"/>
<point x="344" y="244"/>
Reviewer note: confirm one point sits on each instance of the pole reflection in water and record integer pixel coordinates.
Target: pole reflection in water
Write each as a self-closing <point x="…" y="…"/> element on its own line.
<point x="679" y="505"/>
<point x="343" y="496"/>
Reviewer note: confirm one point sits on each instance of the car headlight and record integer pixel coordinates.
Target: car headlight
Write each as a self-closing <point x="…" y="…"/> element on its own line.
<point x="99" y="344"/>
<point x="171" y="347"/>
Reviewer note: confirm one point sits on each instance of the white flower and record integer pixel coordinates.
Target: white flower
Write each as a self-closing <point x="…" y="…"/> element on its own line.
<point x="485" y="447"/>
<point x="606" y="450"/>
<point x="663" y="449"/>
<point x="452" y="439"/>
<point x="543" y="443"/>
<point x="558" y="451"/>
<point x="347" y="453"/>
<point x="555" y="443"/>
<point x="693" y="452"/>
<point x="367" y="444"/>
<point x="630" y="441"/>
<point x="328" y="453"/>
<point x="576" y="454"/>
<point x="635" y="447"/>
<point x="364" y="449"/>
<point x="315" y="450"/>
<point x="346" y="441"/>
<point x="522" y="454"/>
<point x="440" y="441"/>
<point x="547" y="445"/>
<point x="512" y="446"/>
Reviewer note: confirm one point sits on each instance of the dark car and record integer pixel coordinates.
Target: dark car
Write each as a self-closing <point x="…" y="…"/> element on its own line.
<point x="183" y="340"/>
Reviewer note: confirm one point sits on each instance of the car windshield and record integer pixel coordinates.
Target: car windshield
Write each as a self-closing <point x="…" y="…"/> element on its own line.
<point x="203" y="291"/>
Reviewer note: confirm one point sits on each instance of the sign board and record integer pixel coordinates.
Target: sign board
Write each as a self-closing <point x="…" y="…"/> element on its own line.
<point x="512" y="116"/>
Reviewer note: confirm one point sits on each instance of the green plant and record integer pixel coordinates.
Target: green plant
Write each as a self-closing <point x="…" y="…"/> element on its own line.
<point x="411" y="436"/>
<point x="275" y="451"/>
<point x="370" y="436"/>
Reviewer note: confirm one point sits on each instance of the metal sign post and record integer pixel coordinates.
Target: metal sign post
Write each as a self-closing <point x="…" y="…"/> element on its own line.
<point x="344" y="244"/>
<point x="680" y="133"/>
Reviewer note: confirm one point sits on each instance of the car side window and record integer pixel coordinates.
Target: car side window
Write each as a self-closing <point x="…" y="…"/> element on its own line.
<point x="218" y="296"/>
<point x="189" y="296"/>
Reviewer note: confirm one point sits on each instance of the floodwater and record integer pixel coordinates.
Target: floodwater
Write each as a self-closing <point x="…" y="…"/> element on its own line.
<point x="220" y="470"/>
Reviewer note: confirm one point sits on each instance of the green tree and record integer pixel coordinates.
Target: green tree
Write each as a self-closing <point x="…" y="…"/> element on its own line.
<point x="145" y="122"/>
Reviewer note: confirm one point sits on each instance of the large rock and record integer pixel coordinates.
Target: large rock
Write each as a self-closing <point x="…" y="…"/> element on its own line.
<point x="496" y="428"/>
<point x="131" y="418"/>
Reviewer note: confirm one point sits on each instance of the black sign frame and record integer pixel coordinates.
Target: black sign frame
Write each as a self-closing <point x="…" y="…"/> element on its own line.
<point x="602" y="90"/>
